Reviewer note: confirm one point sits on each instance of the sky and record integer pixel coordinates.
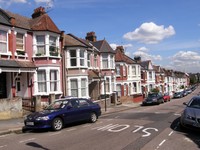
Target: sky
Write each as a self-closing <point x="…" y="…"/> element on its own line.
<point x="167" y="32"/>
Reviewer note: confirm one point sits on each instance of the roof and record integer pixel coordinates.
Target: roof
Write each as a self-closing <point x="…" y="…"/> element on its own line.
<point x="71" y="40"/>
<point x="103" y="46"/>
<point x="16" y="64"/>
<point x="121" y="57"/>
<point x="41" y="23"/>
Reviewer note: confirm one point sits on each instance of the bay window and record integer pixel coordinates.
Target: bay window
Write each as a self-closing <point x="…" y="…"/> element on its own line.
<point x="53" y="80"/>
<point x="88" y="59"/>
<point x="83" y="87"/>
<point x="74" y="87"/>
<point x="105" y="61"/>
<point x="20" y="42"/>
<point x="40" y="45"/>
<point x="41" y="78"/>
<point x="82" y="58"/>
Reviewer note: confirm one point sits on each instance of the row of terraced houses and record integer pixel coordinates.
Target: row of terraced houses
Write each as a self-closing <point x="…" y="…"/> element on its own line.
<point x="38" y="59"/>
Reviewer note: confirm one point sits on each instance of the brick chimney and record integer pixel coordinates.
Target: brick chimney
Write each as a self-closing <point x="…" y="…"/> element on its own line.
<point x="91" y="37"/>
<point x="38" y="12"/>
<point x="120" y="48"/>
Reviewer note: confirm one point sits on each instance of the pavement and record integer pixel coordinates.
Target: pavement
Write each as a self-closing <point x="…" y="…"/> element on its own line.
<point x="16" y="125"/>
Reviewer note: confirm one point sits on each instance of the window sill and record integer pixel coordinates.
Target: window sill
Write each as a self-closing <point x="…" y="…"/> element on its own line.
<point x="6" y="54"/>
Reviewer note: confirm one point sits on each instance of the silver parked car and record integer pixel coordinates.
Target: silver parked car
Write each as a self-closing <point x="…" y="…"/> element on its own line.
<point x="190" y="118"/>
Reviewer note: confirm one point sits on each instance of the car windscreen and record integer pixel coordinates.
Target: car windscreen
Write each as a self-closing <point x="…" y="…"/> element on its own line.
<point x="152" y="95"/>
<point x="57" y="105"/>
<point x="195" y="103"/>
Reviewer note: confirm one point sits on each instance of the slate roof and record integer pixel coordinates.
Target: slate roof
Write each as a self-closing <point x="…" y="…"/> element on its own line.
<point x="103" y="46"/>
<point x="16" y="64"/>
<point x="41" y="23"/>
<point x="72" y="40"/>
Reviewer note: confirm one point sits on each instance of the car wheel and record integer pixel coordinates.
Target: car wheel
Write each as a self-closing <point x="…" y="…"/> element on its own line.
<point x="57" y="124"/>
<point x="93" y="117"/>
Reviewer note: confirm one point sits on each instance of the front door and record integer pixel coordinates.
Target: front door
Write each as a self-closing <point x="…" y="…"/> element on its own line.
<point x="18" y="86"/>
<point x="3" y="91"/>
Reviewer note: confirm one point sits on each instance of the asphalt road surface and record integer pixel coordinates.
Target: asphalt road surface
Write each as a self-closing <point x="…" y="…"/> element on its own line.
<point x="144" y="128"/>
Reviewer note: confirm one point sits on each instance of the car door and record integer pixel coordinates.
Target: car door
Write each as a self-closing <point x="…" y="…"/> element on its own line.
<point x="71" y="111"/>
<point x="84" y="109"/>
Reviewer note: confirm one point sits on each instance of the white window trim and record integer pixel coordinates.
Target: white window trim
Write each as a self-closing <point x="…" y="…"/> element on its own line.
<point x="8" y="31"/>
<point x="47" y="45"/>
<point x="47" y="70"/>
<point x="78" y="78"/>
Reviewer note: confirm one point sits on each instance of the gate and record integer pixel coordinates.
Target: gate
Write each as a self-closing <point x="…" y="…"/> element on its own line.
<point x="28" y="103"/>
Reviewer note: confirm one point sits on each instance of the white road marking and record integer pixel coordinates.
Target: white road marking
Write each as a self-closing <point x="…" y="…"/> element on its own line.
<point x="72" y="129"/>
<point x="177" y="114"/>
<point x="116" y="117"/>
<point x="162" y="143"/>
<point x="23" y="141"/>
<point x="54" y="133"/>
<point x="87" y="125"/>
<point x="2" y="146"/>
<point x="170" y="133"/>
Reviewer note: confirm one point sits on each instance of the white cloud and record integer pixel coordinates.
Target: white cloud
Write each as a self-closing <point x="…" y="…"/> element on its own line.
<point x="150" y="33"/>
<point x="187" y="61"/>
<point x="146" y="56"/>
<point x="49" y="3"/>
<point x="114" y="46"/>
<point x="143" y="49"/>
<point x="9" y="2"/>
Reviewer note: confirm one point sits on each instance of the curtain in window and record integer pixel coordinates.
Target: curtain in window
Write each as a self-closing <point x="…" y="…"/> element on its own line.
<point x="3" y="41"/>
<point x="74" y="88"/>
<point x="53" y="80"/>
<point x="83" y="87"/>
<point x="105" y="61"/>
<point x="20" y="42"/>
<point x="41" y="77"/>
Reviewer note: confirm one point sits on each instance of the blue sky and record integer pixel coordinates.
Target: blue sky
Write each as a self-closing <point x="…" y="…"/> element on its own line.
<point x="164" y="31"/>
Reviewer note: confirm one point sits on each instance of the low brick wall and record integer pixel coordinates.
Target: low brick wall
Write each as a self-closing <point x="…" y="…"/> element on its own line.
<point x="138" y="98"/>
<point x="11" y="108"/>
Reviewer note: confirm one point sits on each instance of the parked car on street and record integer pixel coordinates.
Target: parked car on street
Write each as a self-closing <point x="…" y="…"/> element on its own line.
<point x="62" y="112"/>
<point x="153" y="98"/>
<point x="166" y="97"/>
<point x="178" y="94"/>
<point x="190" y="118"/>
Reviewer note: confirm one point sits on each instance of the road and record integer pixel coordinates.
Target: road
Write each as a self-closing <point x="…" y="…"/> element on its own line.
<point x="144" y="128"/>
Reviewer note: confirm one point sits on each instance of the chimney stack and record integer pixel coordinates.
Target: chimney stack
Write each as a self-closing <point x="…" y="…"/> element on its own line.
<point x="91" y="37"/>
<point x="38" y="12"/>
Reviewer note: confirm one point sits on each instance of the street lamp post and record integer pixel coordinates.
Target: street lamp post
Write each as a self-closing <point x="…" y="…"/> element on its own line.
<point x="105" y="92"/>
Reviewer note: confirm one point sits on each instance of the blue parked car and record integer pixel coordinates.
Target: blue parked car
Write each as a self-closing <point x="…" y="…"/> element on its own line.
<point x="62" y="112"/>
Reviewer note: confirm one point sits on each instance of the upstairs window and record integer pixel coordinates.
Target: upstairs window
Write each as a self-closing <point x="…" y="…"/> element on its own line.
<point x="111" y="61"/>
<point x="3" y="41"/>
<point x="20" y="42"/>
<point x="53" y="50"/>
<point x="95" y="61"/>
<point x="40" y="44"/>
<point x="105" y="61"/>
<point x="133" y="70"/>
<point x="73" y="61"/>
<point x="88" y="60"/>
<point x="82" y="58"/>
<point x="118" y="70"/>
